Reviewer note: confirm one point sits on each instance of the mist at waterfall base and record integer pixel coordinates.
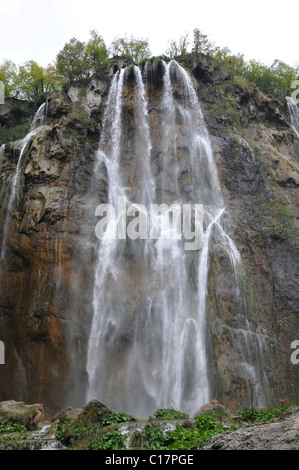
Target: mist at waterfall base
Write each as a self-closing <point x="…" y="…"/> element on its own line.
<point x="148" y="340"/>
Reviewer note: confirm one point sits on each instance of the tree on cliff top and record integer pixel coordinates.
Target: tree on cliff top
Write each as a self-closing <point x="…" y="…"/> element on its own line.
<point x="33" y="80"/>
<point x="78" y="60"/>
<point x="8" y="73"/>
<point x="137" y="49"/>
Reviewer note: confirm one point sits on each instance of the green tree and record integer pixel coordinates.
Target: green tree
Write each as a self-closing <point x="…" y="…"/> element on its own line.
<point x="8" y="74"/>
<point x="201" y="43"/>
<point x="71" y="61"/>
<point x="79" y="60"/>
<point x="96" y="53"/>
<point x="33" y="81"/>
<point x="137" y="49"/>
<point x="285" y="75"/>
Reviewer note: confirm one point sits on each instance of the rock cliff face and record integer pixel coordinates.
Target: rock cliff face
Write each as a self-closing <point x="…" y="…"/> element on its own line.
<point x="47" y="271"/>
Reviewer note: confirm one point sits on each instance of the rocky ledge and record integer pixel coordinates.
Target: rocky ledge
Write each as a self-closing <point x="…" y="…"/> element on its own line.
<point x="279" y="434"/>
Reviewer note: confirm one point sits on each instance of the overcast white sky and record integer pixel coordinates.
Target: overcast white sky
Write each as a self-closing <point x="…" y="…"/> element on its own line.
<point x="261" y="29"/>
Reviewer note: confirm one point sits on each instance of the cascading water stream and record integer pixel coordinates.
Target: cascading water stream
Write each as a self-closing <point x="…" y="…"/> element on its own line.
<point x="147" y="345"/>
<point x="36" y="125"/>
<point x="2" y="150"/>
<point x="294" y="114"/>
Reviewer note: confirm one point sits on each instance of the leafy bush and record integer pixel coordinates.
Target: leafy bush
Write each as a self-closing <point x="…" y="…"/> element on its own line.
<point x="116" y="418"/>
<point x="205" y="427"/>
<point x="112" y="440"/>
<point x="261" y="415"/>
<point x="12" y="427"/>
<point x="170" y="414"/>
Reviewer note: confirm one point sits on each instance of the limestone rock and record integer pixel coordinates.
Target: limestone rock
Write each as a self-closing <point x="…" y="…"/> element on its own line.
<point x="20" y="413"/>
<point x="95" y="412"/>
<point x="279" y="434"/>
<point x="214" y="405"/>
<point x="66" y="414"/>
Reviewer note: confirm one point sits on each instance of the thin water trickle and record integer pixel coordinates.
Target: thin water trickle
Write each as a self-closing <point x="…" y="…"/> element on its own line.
<point x="36" y="126"/>
<point x="294" y="114"/>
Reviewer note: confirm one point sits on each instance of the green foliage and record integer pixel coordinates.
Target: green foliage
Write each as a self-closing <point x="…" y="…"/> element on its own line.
<point x="116" y="418"/>
<point x="78" y="60"/>
<point x="273" y="80"/>
<point x="151" y="59"/>
<point x="91" y="435"/>
<point x="205" y="427"/>
<point x="29" y="81"/>
<point x="154" y="438"/>
<point x="201" y="43"/>
<point x="96" y="53"/>
<point x="261" y="415"/>
<point x="71" y="62"/>
<point x="136" y="49"/>
<point x="112" y="440"/>
<point x="12" y="427"/>
<point x="8" y="74"/>
<point x="33" y="81"/>
<point x="60" y="430"/>
<point x="169" y="414"/>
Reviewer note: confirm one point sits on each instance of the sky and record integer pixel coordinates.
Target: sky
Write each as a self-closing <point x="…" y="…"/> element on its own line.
<point x="260" y="29"/>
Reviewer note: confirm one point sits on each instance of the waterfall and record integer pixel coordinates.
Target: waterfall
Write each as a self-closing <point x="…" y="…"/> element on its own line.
<point x="2" y="151"/>
<point x="147" y="345"/>
<point x="294" y="114"/>
<point x="36" y="125"/>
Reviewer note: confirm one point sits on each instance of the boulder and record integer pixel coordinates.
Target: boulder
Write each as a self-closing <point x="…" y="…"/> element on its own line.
<point x="20" y="413"/>
<point x="67" y="414"/>
<point x="95" y="412"/>
<point x="213" y="406"/>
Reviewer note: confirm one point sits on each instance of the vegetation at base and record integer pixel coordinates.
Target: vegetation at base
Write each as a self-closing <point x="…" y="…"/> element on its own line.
<point x="117" y="418"/>
<point x="261" y="415"/>
<point x="169" y="414"/>
<point x="92" y="436"/>
<point x="106" y="434"/>
<point x="12" y="428"/>
<point x="181" y="437"/>
<point x="78" y="62"/>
